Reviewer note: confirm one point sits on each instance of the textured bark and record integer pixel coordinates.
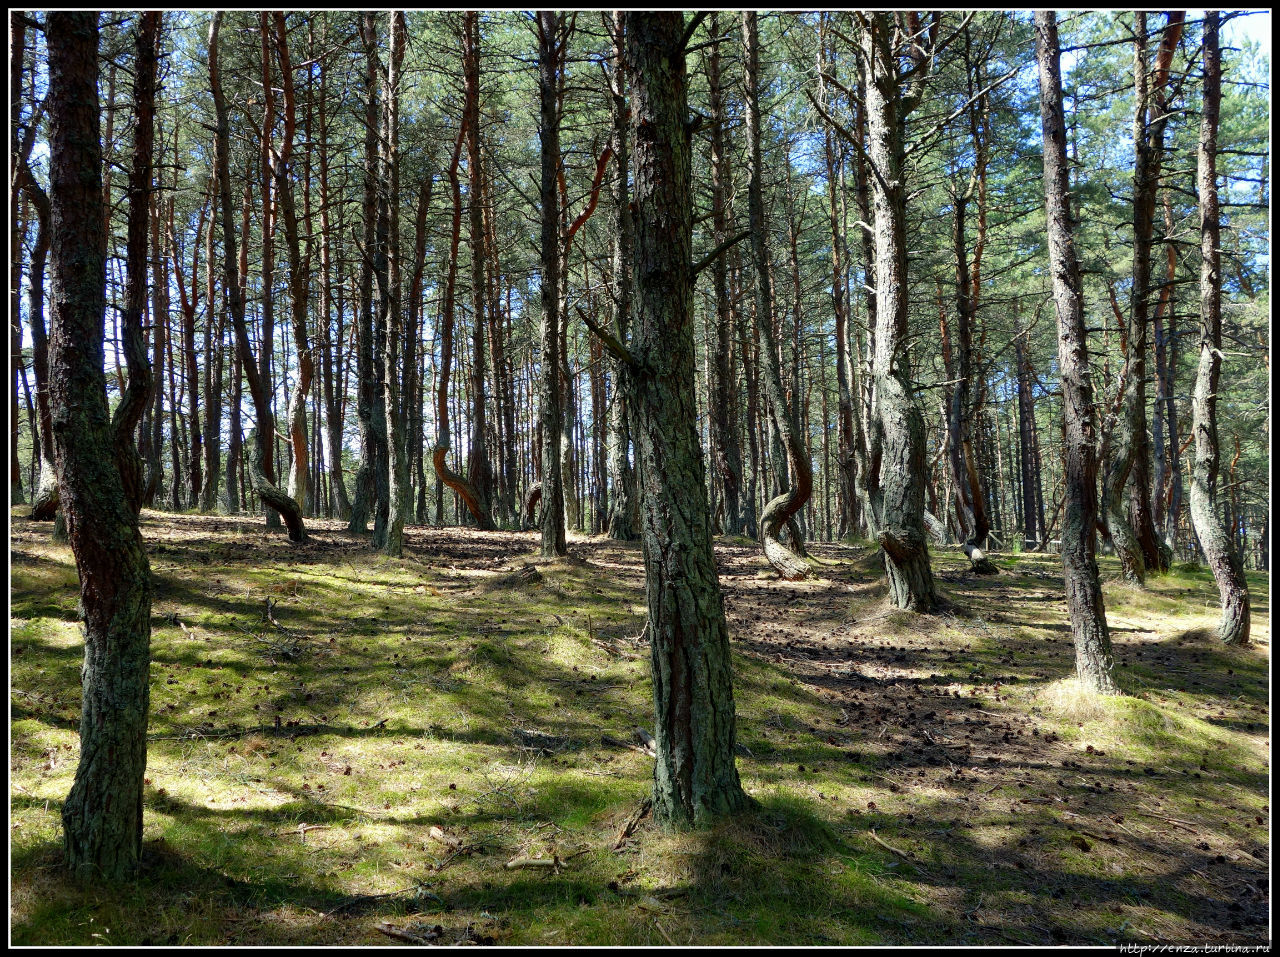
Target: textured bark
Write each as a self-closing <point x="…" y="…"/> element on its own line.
<point x="17" y="50"/>
<point x="263" y="478"/>
<point x="695" y="777"/>
<point x="331" y="348"/>
<point x="970" y="490"/>
<point x="1223" y="558"/>
<point x="1080" y="569"/>
<point x="899" y="420"/>
<point x="102" y="815"/>
<point x="549" y="53"/>
<point x="456" y="482"/>
<point x="136" y="394"/>
<point x="362" y="503"/>
<point x="846" y="459"/>
<point x="189" y="304"/>
<point x="479" y="470"/>
<point x="397" y="453"/>
<point x="782" y="508"/>
<point x="213" y="339"/>
<point x="39" y="201"/>
<point x="299" y="486"/>
<point x="622" y="503"/>
<point x="728" y="451"/>
<point x="1028" y="455"/>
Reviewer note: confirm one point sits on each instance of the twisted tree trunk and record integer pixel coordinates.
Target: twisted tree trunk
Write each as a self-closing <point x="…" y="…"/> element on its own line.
<point x="782" y="508"/>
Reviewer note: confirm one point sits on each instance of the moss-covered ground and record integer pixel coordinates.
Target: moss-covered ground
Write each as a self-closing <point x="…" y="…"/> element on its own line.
<point x="341" y="741"/>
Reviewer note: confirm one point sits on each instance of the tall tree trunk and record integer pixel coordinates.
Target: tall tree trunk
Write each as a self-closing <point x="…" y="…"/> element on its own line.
<point x="1080" y="567"/>
<point x="262" y="474"/>
<point x="1028" y="453"/>
<point x="213" y="340"/>
<point x="1223" y="559"/>
<point x="459" y="485"/>
<point x="479" y="470"/>
<point x="331" y="347"/>
<point x="299" y="278"/>
<point x="102" y="815"/>
<point x="901" y="532"/>
<point x="728" y="451"/>
<point x="846" y="459"/>
<point x="695" y="777"/>
<point x="783" y="507"/>
<point x="363" y="502"/>
<point x="17" y="51"/>
<point x="549" y="55"/>
<point x="397" y="453"/>
<point x="622" y="503"/>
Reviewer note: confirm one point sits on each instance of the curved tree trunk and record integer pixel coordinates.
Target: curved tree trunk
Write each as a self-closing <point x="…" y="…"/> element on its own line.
<point x="102" y="815"/>
<point x="695" y="776"/>
<point x="900" y="423"/>
<point x="455" y="481"/>
<point x="1080" y="567"/>
<point x="1223" y="558"/>
<point x="782" y="508"/>
<point x="272" y="497"/>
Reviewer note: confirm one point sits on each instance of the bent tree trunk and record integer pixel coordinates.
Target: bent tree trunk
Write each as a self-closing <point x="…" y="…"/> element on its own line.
<point x="102" y="816"/>
<point x="1223" y="558"/>
<point x="439" y="454"/>
<point x="272" y="497"/>
<point x="782" y="508"/>
<point x="900" y="423"/>
<point x="695" y="777"/>
<point x="1080" y="566"/>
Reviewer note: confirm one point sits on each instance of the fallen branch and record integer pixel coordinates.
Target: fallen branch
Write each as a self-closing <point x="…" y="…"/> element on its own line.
<point x="398" y="934"/>
<point x="518" y="862"/>
<point x="629" y="828"/>
<point x="889" y="847"/>
<point x="650" y="745"/>
<point x="1168" y="820"/>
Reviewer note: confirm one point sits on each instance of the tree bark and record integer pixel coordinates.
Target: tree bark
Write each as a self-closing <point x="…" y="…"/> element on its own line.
<point x="695" y="776"/>
<point x="1080" y="569"/>
<point x="899" y="421"/>
<point x="622" y="504"/>
<point x="459" y="485"/>
<point x="553" y="517"/>
<point x="263" y="477"/>
<point x="783" y="507"/>
<point x="397" y="458"/>
<point x="102" y="815"/>
<point x="1223" y="559"/>
<point x="363" y="500"/>
<point x="479" y="469"/>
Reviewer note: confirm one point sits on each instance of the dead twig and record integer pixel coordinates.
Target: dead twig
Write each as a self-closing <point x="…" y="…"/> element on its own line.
<point x="398" y="934"/>
<point x="1168" y="820"/>
<point x="629" y="828"/>
<point x="889" y="847"/>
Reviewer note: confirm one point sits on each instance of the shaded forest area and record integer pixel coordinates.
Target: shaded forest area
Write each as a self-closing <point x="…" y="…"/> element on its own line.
<point x="631" y="478"/>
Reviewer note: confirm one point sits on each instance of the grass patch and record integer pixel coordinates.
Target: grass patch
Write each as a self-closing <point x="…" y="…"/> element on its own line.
<point x="339" y="739"/>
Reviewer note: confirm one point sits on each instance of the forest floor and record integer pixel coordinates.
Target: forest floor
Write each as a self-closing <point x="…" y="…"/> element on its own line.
<point x="344" y="744"/>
